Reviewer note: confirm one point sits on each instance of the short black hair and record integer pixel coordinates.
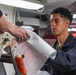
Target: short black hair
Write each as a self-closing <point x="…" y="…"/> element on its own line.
<point x="64" y="12"/>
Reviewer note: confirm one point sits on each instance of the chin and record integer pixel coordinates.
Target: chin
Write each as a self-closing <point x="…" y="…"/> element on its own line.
<point x="55" y="34"/>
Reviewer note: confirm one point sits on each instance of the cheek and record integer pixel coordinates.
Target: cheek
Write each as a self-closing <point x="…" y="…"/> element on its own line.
<point x="62" y="25"/>
<point x="62" y="28"/>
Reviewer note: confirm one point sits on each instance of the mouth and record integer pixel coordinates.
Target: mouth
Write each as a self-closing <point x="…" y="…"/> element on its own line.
<point x="54" y="30"/>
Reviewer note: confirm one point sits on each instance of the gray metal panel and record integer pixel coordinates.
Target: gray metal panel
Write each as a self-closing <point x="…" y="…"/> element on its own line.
<point x="2" y="70"/>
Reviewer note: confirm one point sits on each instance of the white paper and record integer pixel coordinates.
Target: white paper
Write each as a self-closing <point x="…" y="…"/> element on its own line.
<point x="36" y="52"/>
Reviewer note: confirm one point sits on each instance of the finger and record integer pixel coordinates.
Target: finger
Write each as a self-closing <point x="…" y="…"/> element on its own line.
<point x="22" y="39"/>
<point x="19" y="39"/>
<point x="26" y="38"/>
<point x="27" y="34"/>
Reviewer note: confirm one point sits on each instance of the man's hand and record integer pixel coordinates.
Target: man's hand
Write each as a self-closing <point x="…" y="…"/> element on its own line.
<point x="6" y="26"/>
<point x="20" y="33"/>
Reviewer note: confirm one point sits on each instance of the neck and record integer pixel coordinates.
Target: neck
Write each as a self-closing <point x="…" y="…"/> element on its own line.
<point x="62" y="38"/>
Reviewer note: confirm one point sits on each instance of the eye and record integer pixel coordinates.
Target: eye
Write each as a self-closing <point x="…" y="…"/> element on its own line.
<point x="56" y="21"/>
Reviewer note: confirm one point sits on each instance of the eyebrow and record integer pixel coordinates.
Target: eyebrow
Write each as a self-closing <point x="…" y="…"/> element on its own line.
<point x="54" y="19"/>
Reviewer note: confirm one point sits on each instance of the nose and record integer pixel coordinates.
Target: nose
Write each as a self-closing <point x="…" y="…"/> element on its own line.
<point x="53" y="24"/>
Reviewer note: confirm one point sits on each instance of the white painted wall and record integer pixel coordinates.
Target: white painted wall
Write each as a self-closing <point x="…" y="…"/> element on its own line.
<point x="8" y="10"/>
<point x="30" y="21"/>
<point x="34" y="22"/>
<point x="74" y="20"/>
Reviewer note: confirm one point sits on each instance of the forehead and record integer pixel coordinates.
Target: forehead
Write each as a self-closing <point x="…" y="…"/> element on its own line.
<point x="55" y="16"/>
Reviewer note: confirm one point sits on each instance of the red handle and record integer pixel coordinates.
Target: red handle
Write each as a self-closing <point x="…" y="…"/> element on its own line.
<point x="19" y="61"/>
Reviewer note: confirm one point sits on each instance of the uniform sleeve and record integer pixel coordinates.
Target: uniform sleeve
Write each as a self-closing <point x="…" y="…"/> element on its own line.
<point x="1" y="13"/>
<point x="64" y="61"/>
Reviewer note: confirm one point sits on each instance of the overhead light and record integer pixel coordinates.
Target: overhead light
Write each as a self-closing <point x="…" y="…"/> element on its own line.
<point x="22" y="4"/>
<point x="74" y="15"/>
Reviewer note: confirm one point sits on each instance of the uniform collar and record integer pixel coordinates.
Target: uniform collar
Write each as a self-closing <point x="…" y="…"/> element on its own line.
<point x="68" y="41"/>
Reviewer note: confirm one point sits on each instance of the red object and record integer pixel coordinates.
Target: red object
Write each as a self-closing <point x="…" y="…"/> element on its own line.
<point x="74" y="34"/>
<point x="50" y="37"/>
<point x="19" y="61"/>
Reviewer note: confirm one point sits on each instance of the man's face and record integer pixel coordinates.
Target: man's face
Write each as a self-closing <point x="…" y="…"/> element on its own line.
<point x="59" y="24"/>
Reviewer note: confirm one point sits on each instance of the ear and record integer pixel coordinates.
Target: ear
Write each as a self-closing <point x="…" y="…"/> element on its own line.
<point x="67" y="23"/>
